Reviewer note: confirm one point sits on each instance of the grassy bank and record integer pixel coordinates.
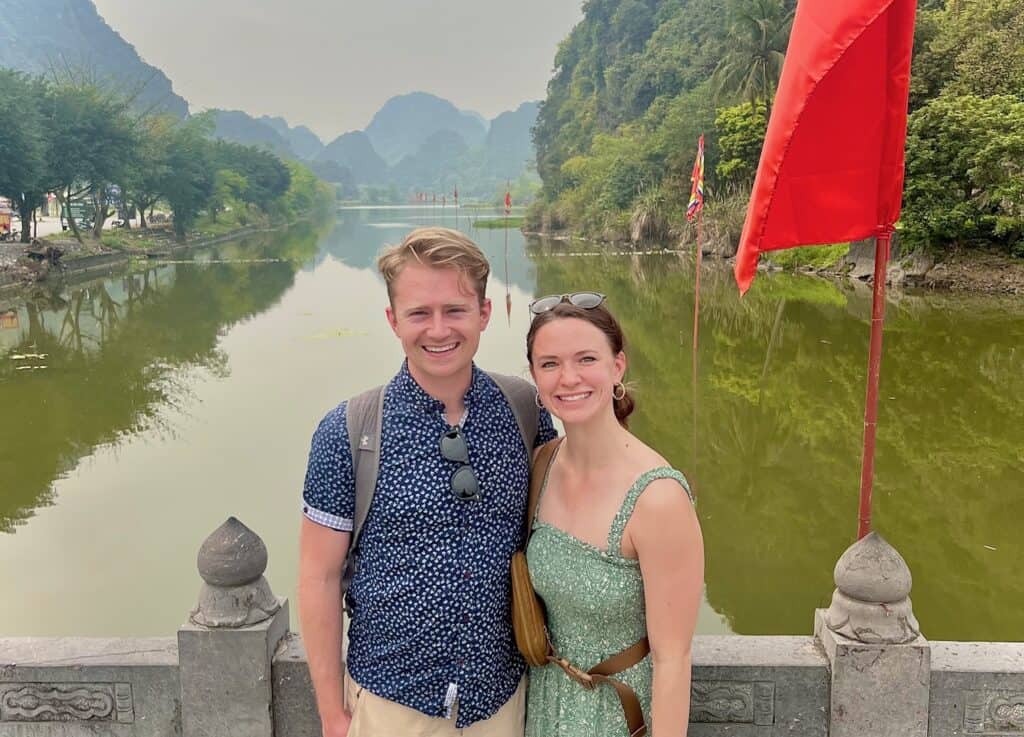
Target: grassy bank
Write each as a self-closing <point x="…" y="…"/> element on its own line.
<point x="813" y="257"/>
<point x="499" y="223"/>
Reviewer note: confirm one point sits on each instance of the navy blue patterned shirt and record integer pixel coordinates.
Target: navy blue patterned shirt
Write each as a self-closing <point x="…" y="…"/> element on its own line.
<point x="430" y="596"/>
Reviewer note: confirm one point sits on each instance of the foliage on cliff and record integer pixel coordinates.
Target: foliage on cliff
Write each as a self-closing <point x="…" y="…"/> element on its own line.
<point x="636" y="82"/>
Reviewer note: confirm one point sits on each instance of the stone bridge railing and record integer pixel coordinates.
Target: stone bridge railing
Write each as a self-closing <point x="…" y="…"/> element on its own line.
<point x="235" y="670"/>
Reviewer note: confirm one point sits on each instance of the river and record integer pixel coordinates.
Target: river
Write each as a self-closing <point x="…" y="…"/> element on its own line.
<point x="139" y="411"/>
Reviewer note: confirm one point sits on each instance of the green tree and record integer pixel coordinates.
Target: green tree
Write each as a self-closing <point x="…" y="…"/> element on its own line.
<point x="148" y="169"/>
<point x="758" y="36"/>
<point x="189" y="179"/>
<point x="965" y="172"/>
<point x="91" y="135"/>
<point x="741" y="130"/>
<point x="22" y="146"/>
<point x="266" y="176"/>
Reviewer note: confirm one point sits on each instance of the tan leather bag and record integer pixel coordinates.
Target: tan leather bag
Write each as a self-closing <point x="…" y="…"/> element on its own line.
<point x="529" y="622"/>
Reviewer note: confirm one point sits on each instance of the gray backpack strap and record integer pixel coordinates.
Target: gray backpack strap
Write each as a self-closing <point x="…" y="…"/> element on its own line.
<point x="363" y="420"/>
<point x="521" y="397"/>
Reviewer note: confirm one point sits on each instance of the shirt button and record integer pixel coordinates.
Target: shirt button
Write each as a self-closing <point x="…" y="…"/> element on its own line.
<point x="460" y="662"/>
<point x="465" y="619"/>
<point x="467" y="575"/>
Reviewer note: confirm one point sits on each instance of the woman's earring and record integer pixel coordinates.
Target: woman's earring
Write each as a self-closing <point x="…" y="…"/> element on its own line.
<point x="536" y="399"/>
<point x="619" y="392"/>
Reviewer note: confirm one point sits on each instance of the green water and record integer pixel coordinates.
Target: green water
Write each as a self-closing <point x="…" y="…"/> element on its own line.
<point x="187" y="392"/>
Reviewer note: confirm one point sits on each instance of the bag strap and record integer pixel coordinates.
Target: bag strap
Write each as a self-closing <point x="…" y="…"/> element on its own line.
<point x="601" y="673"/>
<point x="538" y="476"/>
<point x="363" y="421"/>
<point x="522" y="399"/>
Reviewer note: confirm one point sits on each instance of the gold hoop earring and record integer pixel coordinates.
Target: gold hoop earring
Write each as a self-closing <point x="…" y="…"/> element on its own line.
<point x="621" y="389"/>
<point x="536" y="399"/>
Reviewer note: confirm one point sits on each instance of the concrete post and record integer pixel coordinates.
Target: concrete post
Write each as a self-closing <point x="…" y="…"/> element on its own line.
<point x="225" y="650"/>
<point x="880" y="664"/>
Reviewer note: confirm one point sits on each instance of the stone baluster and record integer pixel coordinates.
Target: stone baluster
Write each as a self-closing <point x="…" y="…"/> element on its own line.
<point x="226" y="648"/>
<point x="880" y="664"/>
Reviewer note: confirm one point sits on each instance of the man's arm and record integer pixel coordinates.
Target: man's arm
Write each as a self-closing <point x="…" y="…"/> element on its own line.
<point x="322" y="553"/>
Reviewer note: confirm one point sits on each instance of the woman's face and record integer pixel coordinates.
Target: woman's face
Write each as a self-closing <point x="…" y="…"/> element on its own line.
<point x="574" y="369"/>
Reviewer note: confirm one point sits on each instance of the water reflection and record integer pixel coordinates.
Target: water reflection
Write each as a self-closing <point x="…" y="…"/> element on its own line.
<point x="779" y="421"/>
<point x="182" y="393"/>
<point x="85" y="366"/>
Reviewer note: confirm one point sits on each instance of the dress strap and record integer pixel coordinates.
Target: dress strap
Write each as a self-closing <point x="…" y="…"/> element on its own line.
<point x="618" y="525"/>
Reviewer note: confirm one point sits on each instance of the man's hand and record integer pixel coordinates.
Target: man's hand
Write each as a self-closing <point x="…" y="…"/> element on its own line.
<point x="337" y="726"/>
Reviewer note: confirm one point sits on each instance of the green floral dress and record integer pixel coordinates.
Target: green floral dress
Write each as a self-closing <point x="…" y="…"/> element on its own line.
<point x="595" y="609"/>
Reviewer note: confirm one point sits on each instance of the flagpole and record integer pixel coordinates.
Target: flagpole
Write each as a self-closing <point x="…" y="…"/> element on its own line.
<point x="696" y="296"/>
<point x="867" y="472"/>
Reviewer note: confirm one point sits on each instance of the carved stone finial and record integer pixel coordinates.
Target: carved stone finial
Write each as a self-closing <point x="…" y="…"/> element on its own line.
<point x="234" y="593"/>
<point x="232" y="555"/>
<point x="871" y="602"/>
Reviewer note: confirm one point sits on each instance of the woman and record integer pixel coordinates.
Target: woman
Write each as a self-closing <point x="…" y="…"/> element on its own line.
<point x="616" y="551"/>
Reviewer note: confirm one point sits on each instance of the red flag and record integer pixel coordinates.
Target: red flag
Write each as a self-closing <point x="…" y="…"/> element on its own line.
<point x="456" y="194"/>
<point x="508" y="202"/>
<point x="696" y="203"/>
<point x="831" y="168"/>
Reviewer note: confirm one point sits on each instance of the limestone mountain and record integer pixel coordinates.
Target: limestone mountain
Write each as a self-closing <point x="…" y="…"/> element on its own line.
<point x="508" y="149"/>
<point x="304" y="142"/>
<point x="436" y="164"/>
<point x="354" y="152"/>
<point x="40" y="36"/>
<point x="239" y="127"/>
<point x="405" y="122"/>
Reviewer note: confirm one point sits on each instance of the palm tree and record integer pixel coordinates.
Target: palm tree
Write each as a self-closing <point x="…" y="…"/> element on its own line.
<point x="758" y="37"/>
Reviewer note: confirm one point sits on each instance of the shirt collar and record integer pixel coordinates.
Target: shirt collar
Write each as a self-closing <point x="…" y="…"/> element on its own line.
<point x="480" y="386"/>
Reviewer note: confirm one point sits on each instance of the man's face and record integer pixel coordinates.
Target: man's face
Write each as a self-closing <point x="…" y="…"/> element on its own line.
<point x="438" y="317"/>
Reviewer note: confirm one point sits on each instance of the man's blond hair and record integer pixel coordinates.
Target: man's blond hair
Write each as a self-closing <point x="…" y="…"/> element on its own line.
<point x="438" y="248"/>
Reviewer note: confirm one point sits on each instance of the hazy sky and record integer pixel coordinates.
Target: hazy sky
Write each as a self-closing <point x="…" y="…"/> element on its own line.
<point x="331" y="64"/>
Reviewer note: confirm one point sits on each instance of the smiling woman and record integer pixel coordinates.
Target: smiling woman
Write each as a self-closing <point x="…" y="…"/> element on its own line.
<point x="614" y="512"/>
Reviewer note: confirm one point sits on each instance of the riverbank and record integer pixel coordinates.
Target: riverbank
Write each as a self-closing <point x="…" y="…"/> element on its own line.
<point x="117" y="248"/>
<point x="963" y="270"/>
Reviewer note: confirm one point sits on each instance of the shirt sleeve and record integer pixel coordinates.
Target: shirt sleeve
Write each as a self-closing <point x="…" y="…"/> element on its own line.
<point x="545" y="429"/>
<point x="328" y="495"/>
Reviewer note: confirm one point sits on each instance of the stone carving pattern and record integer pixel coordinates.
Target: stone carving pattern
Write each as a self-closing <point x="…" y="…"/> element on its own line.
<point x="994" y="713"/>
<point x="730" y="702"/>
<point x="764" y="703"/>
<point x="66" y="702"/>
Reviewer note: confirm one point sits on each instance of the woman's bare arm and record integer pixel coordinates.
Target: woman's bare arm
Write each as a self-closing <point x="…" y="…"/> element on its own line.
<point x="667" y="537"/>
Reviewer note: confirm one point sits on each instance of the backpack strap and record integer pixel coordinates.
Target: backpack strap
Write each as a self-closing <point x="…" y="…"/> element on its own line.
<point x="521" y="398"/>
<point x="363" y="414"/>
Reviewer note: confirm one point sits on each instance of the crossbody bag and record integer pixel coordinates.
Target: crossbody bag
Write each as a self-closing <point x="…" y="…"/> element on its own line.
<point x="530" y="624"/>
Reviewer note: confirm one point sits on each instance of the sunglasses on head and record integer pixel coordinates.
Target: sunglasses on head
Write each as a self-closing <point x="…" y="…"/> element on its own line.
<point x="464" y="483"/>
<point x="583" y="300"/>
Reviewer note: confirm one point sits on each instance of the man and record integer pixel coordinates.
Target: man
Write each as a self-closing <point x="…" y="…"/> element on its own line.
<point x="431" y="650"/>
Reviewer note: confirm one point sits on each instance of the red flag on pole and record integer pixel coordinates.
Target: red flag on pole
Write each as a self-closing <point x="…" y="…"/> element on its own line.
<point x="456" y="194"/>
<point x="832" y="164"/>
<point x="508" y="202"/>
<point x="696" y="203"/>
<point x="831" y="168"/>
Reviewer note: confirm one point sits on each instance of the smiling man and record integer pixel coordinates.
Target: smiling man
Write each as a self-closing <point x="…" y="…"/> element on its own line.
<point x="431" y="650"/>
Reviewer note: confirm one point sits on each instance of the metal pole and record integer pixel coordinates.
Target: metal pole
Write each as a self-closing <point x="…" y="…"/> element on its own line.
<point x="867" y="471"/>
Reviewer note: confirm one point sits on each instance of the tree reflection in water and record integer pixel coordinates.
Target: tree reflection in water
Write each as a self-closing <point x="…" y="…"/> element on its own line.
<point x="118" y="352"/>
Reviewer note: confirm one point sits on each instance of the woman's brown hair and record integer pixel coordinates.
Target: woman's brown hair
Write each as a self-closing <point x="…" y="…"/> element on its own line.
<point x="602" y="319"/>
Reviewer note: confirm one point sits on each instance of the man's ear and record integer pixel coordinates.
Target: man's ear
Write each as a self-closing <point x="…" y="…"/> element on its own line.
<point x="389" y="312"/>
<point x="485" y="313"/>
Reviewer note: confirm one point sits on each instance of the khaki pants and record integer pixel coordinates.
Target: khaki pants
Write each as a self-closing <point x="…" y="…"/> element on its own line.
<point x="373" y="716"/>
